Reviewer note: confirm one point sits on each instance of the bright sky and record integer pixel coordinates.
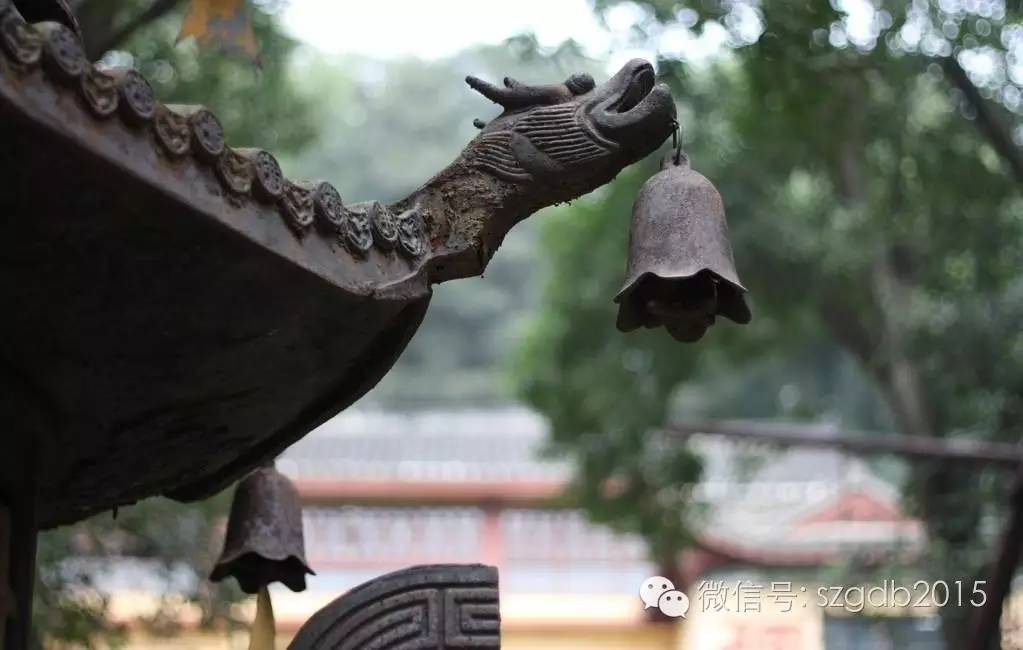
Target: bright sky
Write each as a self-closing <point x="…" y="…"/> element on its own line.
<point x="431" y="29"/>
<point x="437" y="28"/>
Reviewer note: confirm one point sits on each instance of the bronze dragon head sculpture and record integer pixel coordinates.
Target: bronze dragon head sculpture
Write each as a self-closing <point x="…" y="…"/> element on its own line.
<point x="552" y="143"/>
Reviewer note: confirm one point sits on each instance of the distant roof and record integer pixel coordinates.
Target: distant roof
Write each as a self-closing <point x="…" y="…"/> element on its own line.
<point x="789" y="506"/>
<point x="798" y="505"/>
<point x="498" y="444"/>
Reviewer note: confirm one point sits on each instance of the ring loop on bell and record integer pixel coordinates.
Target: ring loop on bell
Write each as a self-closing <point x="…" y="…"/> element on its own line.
<point x="676" y="141"/>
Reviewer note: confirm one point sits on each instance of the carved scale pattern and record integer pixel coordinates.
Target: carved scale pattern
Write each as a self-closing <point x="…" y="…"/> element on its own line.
<point x="555" y="130"/>
<point x="494" y="154"/>
<point x="194" y="131"/>
<point x="419" y="608"/>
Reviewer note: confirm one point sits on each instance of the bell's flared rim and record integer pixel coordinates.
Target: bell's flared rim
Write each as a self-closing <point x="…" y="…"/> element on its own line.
<point x="731" y="301"/>
<point x="631" y="284"/>
<point x="254" y="570"/>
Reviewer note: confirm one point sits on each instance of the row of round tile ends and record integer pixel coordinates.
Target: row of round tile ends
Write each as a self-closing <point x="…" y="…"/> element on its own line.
<point x="184" y="130"/>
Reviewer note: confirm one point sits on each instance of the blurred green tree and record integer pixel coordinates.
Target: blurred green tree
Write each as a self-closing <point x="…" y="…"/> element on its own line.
<point x="869" y="157"/>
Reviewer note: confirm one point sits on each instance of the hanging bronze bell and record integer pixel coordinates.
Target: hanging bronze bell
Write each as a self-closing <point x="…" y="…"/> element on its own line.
<point x="264" y="541"/>
<point x="681" y="273"/>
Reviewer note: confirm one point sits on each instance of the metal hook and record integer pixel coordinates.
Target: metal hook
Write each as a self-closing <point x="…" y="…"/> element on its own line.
<point x="676" y="142"/>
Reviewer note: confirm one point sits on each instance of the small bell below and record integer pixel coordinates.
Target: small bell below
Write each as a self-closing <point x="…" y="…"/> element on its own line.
<point x="264" y="541"/>
<point x="681" y="273"/>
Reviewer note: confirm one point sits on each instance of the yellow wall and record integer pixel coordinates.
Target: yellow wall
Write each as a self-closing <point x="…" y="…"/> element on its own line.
<point x="529" y="622"/>
<point x="649" y="637"/>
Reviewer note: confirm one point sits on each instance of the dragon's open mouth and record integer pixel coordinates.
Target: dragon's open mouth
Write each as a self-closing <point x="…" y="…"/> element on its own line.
<point x="631" y="109"/>
<point x="640" y="85"/>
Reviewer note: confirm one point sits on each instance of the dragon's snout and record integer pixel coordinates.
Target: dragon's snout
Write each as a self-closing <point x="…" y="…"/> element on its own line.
<point x="632" y="110"/>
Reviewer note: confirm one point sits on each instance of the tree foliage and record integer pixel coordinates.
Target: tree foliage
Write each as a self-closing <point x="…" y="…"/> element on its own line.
<point x="877" y="220"/>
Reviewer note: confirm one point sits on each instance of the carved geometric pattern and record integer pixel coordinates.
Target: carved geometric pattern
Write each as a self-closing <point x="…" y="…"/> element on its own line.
<point x="330" y="209"/>
<point x="420" y="608"/>
<point x="139" y="103"/>
<point x="207" y="134"/>
<point x="385" y="228"/>
<point x="268" y="185"/>
<point x="64" y="51"/>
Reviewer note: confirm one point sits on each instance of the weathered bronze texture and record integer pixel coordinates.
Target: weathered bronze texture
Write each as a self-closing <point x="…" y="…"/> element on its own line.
<point x="681" y="273"/>
<point x="410" y="233"/>
<point x="235" y="171"/>
<point x="138" y="102"/>
<point x="356" y="231"/>
<point x="385" y="228"/>
<point x="299" y="210"/>
<point x="207" y="134"/>
<point x="99" y="90"/>
<point x="419" y="608"/>
<point x="330" y="209"/>
<point x="184" y="325"/>
<point x="62" y="52"/>
<point x="172" y="131"/>
<point x="264" y="541"/>
<point x="516" y="94"/>
<point x="268" y="180"/>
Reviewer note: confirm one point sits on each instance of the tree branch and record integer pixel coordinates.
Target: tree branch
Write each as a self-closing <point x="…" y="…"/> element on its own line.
<point x="102" y="37"/>
<point x="989" y="122"/>
<point x="962" y="451"/>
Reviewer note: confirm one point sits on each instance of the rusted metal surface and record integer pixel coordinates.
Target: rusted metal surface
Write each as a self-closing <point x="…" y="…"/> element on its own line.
<point x="264" y="541"/>
<point x="681" y="273"/>
<point x="187" y="312"/>
<point x="439" y="606"/>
